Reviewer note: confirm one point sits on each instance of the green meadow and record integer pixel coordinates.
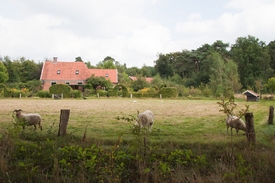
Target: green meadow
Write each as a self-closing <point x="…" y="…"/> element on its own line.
<point x="189" y="142"/>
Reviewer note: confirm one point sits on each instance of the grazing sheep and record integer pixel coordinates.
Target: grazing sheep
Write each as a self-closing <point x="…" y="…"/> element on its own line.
<point x="235" y="122"/>
<point x="30" y="119"/>
<point x="145" y="119"/>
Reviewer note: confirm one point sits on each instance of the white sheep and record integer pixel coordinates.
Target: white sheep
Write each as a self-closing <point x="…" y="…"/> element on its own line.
<point x="30" y="119"/>
<point x="235" y="122"/>
<point x="145" y="119"/>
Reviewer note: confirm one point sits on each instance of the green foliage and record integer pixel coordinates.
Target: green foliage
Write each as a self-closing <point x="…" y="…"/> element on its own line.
<point x="88" y="92"/>
<point x="112" y="92"/>
<point x="61" y="89"/>
<point x="4" y="92"/>
<point x="44" y="94"/>
<point x="121" y="90"/>
<point x="195" y="92"/>
<point x="139" y="84"/>
<point x="136" y="94"/>
<point x="168" y="92"/>
<point x="102" y="93"/>
<point x="252" y="58"/>
<point x="101" y="81"/>
<point x="76" y="93"/>
<point x="17" y="93"/>
<point x="4" y="75"/>
<point x="271" y="84"/>
<point x="34" y="86"/>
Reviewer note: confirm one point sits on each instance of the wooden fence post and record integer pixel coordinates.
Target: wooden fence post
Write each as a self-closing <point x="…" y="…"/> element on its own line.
<point x="250" y="132"/>
<point x="271" y="115"/>
<point x="64" y="119"/>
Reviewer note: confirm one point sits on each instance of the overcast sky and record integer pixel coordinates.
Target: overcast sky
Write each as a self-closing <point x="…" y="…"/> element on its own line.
<point x="131" y="31"/>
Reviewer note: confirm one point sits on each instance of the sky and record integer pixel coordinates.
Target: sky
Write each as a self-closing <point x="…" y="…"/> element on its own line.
<point x="133" y="32"/>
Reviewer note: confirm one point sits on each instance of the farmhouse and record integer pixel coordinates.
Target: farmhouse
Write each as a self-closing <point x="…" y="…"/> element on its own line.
<point x="72" y="73"/>
<point x="251" y="95"/>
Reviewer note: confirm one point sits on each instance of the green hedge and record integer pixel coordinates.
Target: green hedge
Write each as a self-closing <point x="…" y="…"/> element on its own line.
<point x="61" y="89"/>
<point x="102" y="93"/>
<point x="5" y="91"/>
<point x="168" y="92"/>
<point x="121" y="91"/>
<point x="112" y="92"/>
<point x="44" y="94"/>
<point x="76" y="93"/>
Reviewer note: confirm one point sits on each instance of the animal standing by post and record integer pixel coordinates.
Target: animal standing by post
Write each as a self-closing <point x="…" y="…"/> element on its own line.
<point x="235" y="122"/>
<point x="30" y="119"/>
<point x="145" y="119"/>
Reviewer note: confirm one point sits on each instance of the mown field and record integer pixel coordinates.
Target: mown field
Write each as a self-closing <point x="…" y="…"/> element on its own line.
<point x="182" y="126"/>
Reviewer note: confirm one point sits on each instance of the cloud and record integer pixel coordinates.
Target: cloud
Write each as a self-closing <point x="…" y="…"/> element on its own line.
<point x="132" y="32"/>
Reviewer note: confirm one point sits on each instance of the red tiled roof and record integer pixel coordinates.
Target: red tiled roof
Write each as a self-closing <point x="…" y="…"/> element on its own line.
<point x="67" y="71"/>
<point x="133" y="78"/>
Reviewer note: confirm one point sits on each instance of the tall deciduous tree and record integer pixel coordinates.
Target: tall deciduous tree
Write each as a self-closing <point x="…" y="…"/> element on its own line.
<point x="107" y="63"/>
<point x="4" y="76"/>
<point x="13" y="69"/>
<point x="252" y="58"/>
<point x="30" y="70"/>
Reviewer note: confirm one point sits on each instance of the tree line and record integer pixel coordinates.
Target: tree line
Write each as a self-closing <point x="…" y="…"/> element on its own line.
<point x="222" y="68"/>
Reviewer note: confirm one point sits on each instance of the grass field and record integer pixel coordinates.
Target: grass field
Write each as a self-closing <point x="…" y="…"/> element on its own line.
<point x="175" y="120"/>
<point x="188" y="143"/>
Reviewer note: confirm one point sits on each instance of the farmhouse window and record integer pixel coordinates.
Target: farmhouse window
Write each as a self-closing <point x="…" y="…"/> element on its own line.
<point x="80" y="82"/>
<point x="77" y="72"/>
<point x="106" y="75"/>
<point x="53" y="82"/>
<point x="58" y="71"/>
<point x="67" y="82"/>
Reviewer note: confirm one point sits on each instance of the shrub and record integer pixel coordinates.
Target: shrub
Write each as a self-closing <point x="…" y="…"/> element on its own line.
<point x="76" y="93"/>
<point x="88" y="92"/>
<point x="168" y="92"/>
<point x="137" y="94"/>
<point x="112" y="92"/>
<point x="4" y="91"/>
<point x="61" y="89"/>
<point x="43" y="94"/>
<point x="194" y="92"/>
<point x="102" y="93"/>
<point x="16" y="93"/>
<point x="121" y="90"/>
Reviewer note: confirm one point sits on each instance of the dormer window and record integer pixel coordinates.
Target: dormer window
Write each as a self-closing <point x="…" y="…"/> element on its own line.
<point x="77" y="72"/>
<point x="58" y="71"/>
<point x="106" y="75"/>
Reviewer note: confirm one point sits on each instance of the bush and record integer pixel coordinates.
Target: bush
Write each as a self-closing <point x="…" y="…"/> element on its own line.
<point x="121" y="90"/>
<point x="43" y="94"/>
<point x="16" y="93"/>
<point x="88" y="92"/>
<point x="76" y="93"/>
<point x="102" y="93"/>
<point x="61" y="89"/>
<point x="112" y="92"/>
<point x="4" y="91"/>
<point x="168" y="92"/>
<point x="137" y="94"/>
<point x="194" y="92"/>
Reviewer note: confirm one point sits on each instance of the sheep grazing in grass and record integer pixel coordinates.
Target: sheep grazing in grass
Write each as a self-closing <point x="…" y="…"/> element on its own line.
<point x="29" y="119"/>
<point x="145" y="119"/>
<point x="235" y="122"/>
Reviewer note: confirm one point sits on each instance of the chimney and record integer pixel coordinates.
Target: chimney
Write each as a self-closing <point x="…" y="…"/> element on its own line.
<point x="54" y="59"/>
